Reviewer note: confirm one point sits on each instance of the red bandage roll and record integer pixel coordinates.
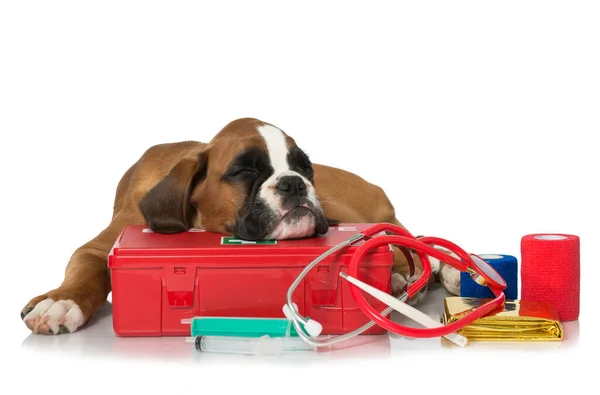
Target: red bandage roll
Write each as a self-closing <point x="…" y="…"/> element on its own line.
<point x="550" y="272"/>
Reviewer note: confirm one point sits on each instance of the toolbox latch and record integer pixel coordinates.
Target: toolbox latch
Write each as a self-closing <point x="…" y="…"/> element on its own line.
<point x="323" y="284"/>
<point x="179" y="283"/>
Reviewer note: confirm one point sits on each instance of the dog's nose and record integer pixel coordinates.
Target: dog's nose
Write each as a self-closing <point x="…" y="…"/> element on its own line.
<point x="291" y="185"/>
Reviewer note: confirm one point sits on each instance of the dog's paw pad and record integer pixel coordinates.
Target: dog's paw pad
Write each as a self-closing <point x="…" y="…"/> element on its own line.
<point x="51" y="317"/>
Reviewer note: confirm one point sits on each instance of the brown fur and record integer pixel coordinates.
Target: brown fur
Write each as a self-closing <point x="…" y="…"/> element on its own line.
<point x="170" y="167"/>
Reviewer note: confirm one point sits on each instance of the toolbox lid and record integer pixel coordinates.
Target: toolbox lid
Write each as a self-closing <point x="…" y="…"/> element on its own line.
<point x="139" y="240"/>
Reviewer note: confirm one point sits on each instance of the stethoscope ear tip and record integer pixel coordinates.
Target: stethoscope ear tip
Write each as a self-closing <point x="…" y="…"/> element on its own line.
<point x="313" y="328"/>
<point x="287" y="312"/>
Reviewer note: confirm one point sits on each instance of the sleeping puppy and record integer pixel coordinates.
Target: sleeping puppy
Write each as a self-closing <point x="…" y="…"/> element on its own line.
<point x="251" y="180"/>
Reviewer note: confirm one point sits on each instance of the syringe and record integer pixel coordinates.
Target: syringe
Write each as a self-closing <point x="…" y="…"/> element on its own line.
<point x="241" y="327"/>
<point x="263" y="345"/>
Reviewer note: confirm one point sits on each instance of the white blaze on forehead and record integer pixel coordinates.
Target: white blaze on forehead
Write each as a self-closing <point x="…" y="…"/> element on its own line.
<point x="276" y="147"/>
<point x="277" y="150"/>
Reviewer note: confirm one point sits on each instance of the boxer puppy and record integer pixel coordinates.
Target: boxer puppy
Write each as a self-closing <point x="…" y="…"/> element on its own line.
<point x="251" y="180"/>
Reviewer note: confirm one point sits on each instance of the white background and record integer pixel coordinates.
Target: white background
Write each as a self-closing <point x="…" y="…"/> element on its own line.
<point x="479" y="120"/>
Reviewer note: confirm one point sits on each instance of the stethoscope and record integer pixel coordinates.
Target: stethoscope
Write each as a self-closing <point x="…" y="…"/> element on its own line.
<point x="479" y="270"/>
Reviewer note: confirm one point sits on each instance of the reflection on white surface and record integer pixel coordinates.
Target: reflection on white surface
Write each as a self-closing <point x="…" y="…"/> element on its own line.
<point x="97" y="340"/>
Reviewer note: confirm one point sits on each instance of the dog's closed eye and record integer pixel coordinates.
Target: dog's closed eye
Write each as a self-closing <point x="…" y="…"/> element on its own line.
<point x="241" y="172"/>
<point x="245" y="171"/>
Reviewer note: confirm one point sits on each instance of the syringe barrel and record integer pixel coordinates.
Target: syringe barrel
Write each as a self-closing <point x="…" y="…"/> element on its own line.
<point x="242" y="327"/>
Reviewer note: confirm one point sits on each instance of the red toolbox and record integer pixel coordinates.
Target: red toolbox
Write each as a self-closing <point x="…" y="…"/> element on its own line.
<point x="159" y="279"/>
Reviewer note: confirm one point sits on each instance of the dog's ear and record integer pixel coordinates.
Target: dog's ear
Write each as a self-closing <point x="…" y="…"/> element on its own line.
<point x="166" y="206"/>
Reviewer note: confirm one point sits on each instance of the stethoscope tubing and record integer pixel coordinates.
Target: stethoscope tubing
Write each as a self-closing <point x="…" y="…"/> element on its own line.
<point x="423" y="246"/>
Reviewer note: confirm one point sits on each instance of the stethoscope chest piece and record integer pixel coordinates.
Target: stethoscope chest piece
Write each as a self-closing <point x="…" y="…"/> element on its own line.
<point x="486" y="275"/>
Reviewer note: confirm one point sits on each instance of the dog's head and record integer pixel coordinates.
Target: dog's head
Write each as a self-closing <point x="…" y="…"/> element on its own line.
<point x="251" y="180"/>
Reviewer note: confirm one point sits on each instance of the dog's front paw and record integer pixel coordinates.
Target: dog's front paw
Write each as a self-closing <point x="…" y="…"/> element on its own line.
<point x="52" y="314"/>
<point x="399" y="284"/>
<point x="420" y="295"/>
<point x="450" y="278"/>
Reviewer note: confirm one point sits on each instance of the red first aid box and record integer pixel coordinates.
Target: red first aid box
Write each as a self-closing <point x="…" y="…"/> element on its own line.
<point x="160" y="279"/>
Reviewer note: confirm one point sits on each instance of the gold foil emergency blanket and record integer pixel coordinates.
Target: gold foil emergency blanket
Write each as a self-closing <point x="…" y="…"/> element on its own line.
<point x="520" y="320"/>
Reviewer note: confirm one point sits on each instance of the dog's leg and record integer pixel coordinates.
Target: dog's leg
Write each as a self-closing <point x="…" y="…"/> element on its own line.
<point x="85" y="288"/>
<point x="402" y="278"/>
<point x="163" y="169"/>
<point x="408" y="268"/>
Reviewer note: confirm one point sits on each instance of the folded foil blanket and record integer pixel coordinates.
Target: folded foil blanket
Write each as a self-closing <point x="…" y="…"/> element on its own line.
<point x="519" y="320"/>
